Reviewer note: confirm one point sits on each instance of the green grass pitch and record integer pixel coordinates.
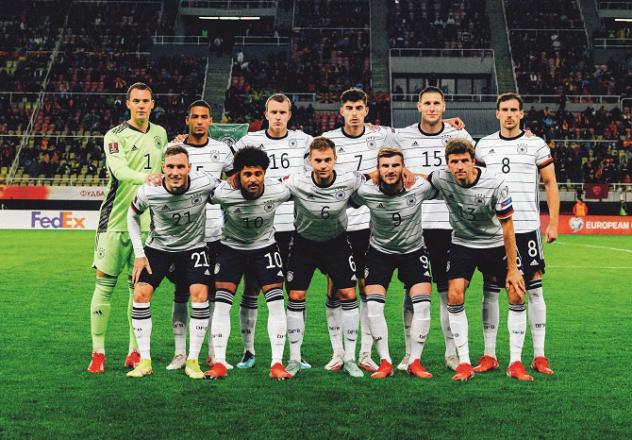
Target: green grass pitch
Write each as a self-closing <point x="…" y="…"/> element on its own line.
<point x="46" y="285"/>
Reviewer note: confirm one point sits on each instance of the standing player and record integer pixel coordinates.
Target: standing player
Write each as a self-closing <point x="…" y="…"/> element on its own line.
<point x="423" y="145"/>
<point x="480" y="214"/>
<point x="396" y="243"/>
<point x="521" y="161"/>
<point x="320" y="241"/>
<point x="357" y="148"/>
<point x="286" y="151"/>
<point x="214" y="158"/>
<point x="178" y="213"/>
<point x="248" y="245"/>
<point x="133" y="154"/>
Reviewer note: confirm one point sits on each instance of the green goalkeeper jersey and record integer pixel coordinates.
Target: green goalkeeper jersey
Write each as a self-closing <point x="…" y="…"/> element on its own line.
<point x="130" y="155"/>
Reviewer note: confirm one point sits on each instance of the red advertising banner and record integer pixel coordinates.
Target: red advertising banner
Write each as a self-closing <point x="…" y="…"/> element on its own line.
<point x="85" y="193"/>
<point x="592" y="224"/>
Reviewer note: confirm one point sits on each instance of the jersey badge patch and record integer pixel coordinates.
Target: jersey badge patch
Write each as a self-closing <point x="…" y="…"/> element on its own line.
<point x="371" y="143"/>
<point x="522" y="148"/>
<point x="411" y="201"/>
<point x="269" y="206"/>
<point x="113" y="147"/>
<point x="158" y="142"/>
<point x="480" y="199"/>
<point x="340" y="195"/>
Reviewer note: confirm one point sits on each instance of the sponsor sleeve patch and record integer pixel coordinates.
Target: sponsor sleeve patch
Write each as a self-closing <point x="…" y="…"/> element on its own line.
<point x="113" y="147"/>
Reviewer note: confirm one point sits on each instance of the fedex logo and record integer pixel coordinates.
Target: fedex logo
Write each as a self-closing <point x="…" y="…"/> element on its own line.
<point x="65" y="220"/>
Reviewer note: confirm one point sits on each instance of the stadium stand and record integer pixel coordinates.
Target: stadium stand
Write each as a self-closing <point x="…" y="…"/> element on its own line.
<point x="450" y="24"/>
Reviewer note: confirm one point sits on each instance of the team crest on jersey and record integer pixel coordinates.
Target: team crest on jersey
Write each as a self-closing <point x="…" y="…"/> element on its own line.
<point x="371" y="143"/>
<point x="292" y="143"/>
<point x="215" y="157"/>
<point x="269" y="206"/>
<point x="197" y="200"/>
<point x="445" y="138"/>
<point x="504" y="192"/>
<point x="412" y="200"/>
<point x="158" y="142"/>
<point x="340" y="195"/>
<point x="522" y="148"/>
<point x="100" y="252"/>
<point x="290" y="276"/>
<point x="479" y="199"/>
<point x="172" y="268"/>
<point x="113" y="147"/>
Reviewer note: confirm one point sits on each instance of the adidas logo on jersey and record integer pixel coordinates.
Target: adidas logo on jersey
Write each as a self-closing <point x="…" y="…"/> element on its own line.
<point x="380" y="205"/>
<point x="207" y="272"/>
<point x="165" y="207"/>
<point x="134" y="148"/>
<point x="492" y="151"/>
<point x="534" y="263"/>
<point x="341" y="150"/>
<point x="415" y="144"/>
<point x="280" y="273"/>
<point x="238" y="210"/>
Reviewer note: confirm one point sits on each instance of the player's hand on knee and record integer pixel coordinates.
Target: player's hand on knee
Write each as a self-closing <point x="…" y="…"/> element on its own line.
<point x="140" y="264"/>
<point x="515" y="283"/>
<point x="455" y="122"/>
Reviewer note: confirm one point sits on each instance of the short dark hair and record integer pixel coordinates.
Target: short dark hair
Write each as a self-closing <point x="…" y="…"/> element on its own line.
<point x="508" y="97"/>
<point x="279" y="97"/>
<point x="459" y="146"/>
<point x="353" y="94"/>
<point x="250" y="157"/>
<point x="175" y="150"/>
<point x="388" y="151"/>
<point x="200" y="103"/>
<point x="138" y="86"/>
<point x="432" y="89"/>
<point x="322" y="143"/>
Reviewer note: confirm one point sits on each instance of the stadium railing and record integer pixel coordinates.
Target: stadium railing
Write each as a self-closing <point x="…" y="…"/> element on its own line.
<point x="609" y="43"/>
<point x="430" y="52"/>
<point x="228" y="4"/>
<point x="614" y="5"/>
<point x="414" y="97"/>
<point x="247" y="40"/>
<point x="535" y="99"/>
<point x="180" y="39"/>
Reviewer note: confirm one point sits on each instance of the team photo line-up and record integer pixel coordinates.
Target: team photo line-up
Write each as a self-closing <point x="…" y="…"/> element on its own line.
<point x="356" y="203"/>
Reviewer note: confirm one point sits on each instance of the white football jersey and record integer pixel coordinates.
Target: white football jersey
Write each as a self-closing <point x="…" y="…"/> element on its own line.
<point x="425" y="153"/>
<point x="249" y="223"/>
<point x="475" y="210"/>
<point x="395" y="218"/>
<point x="359" y="153"/>
<point x="287" y="156"/>
<point x="518" y="161"/>
<point x="213" y="158"/>
<point x="177" y="220"/>
<point x="321" y="211"/>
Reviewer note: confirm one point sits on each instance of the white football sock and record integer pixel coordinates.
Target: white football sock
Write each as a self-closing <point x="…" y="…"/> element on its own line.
<point x="458" y="324"/>
<point x="366" y="338"/>
<point x="517" y="324"/>
<point x="179" y="318"/>
<point x="407" y="311"/>
<point x="491" y="317"/>
<point x="221" y="324"/>
<point x="197" y="328"/>
<point x="248" y="322"/>
<point x="537" y="316"/>
<point x="420" y="326"/>
<point x="211" y="310"/>
<point x="377" y="321"/>
<point x="350" y="318"/>
<point x="277" y="324"/>
<point x="295" y="327"/>
<point x="444" y="316"/>
<point x="141" y="321"/>
<point x="332" y="308"/>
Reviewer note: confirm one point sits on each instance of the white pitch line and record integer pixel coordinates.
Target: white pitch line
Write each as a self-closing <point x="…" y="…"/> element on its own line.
<point x="628" y="251"/>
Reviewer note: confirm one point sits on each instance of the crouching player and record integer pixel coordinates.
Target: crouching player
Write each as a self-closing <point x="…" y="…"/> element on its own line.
<point x="175" y="242"/>
<point x="482" y="236"/>
<point x="248" y="244"/>
<point x="396" y="243"/>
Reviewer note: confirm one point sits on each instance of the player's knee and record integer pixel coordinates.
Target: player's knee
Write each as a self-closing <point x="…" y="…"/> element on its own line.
<point x="181" y="294"/>
<point x="143" y="292"/>
<point x="348" y="294"/>
<point x="297" y="295"/>
<point x="273" y="293"/>
<point x="199" y="292"/>
<point x="456" y="295"/>
<point x="514" y="296"/>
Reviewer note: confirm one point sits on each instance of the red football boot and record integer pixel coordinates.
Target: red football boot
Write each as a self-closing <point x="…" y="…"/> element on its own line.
<point x="541" y="365"/>
<point x="385" y="370"/>
<point x="518" y="371"/>
<point x="486" y="363"/>
<point x="97" y="364"/>
<point x="218" y="371"/>
<point x="132" y="359"/>
<point x="417" y="369"/>
<point x="277" y="371"/>
<point x="463" y="372"/>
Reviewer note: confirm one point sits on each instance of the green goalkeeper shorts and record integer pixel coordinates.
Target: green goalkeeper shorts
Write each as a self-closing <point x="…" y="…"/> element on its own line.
<point x="113" y="252"/>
